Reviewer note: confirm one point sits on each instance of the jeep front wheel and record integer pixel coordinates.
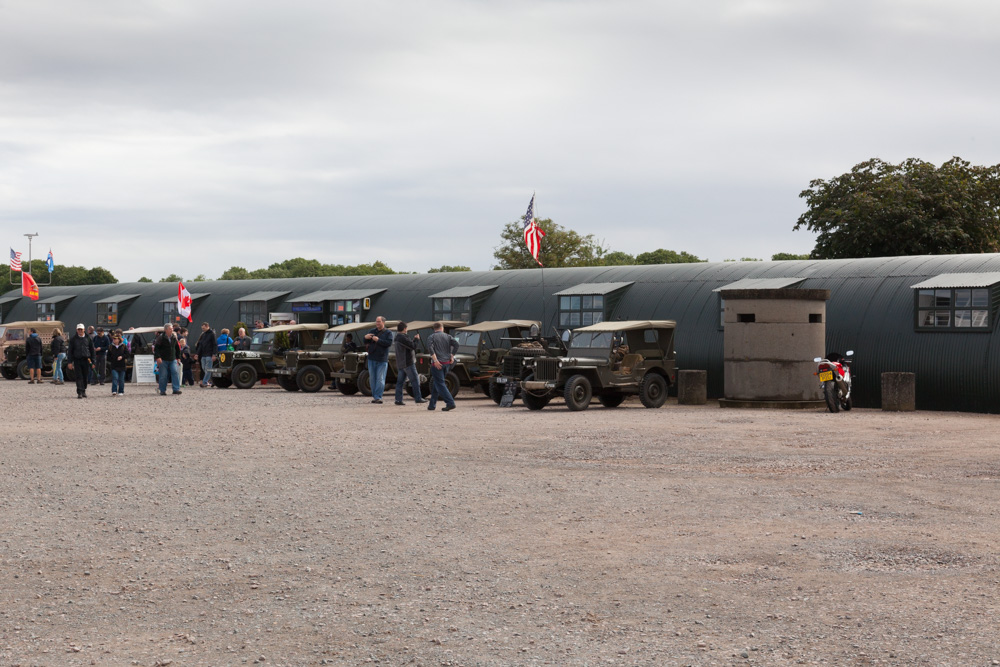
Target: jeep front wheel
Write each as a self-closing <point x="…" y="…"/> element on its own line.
<point x="577" y="393"/>
<point x="223" y="382"/>
<point x="347" y="388"/>
<point x="653" y="390"/>
<point x="22" y="370"/>
<point x="9" y="373"/>
<point x="310" y="379"/>
<point x="365" y="383"/>
<point x="287" y="383"/>
<point x="453" y="383"/>
<point x="244" y="376"/>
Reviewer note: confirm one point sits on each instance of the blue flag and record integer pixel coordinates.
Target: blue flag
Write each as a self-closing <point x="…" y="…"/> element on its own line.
<point x="49" y="262"/>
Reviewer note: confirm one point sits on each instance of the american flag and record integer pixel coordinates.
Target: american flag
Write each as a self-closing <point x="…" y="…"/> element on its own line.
<point x="15" y="260"/>
<point x="532" y="232"/>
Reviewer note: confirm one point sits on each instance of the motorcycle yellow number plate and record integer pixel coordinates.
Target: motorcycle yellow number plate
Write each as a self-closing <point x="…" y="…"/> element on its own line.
<point x="826" y="376"/>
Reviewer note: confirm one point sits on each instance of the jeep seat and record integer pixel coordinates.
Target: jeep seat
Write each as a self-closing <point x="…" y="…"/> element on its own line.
<point x="629" y="361"/>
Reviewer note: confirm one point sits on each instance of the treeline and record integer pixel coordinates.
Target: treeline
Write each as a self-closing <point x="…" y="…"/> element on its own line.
<point x="62" y="276"/>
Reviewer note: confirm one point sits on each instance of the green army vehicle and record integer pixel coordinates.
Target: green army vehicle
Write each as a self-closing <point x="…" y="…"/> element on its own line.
<point x="266" y="356"/>
<point x="352" y="376"/>
<point x="424" y="328"/>
<point x="610" y="360"/>
<point x="514" y="367"/>
<point x="481" y="350"/>
<point x="12" y="338"/>
<point x="310" y="369"/>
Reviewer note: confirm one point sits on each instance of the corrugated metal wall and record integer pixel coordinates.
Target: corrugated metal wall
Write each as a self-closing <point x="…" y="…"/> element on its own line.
<point x="871" y="310"/>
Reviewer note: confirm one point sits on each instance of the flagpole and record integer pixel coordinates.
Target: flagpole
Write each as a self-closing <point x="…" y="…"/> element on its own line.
<point x="542" y="269"/>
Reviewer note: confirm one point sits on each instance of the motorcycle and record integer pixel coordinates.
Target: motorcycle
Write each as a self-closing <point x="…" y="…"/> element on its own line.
<point x="835" y="379"/>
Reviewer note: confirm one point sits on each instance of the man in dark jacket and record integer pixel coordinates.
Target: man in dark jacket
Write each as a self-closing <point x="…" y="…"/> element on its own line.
<point x="81" y="354"/>
<point x="101" y="344"/>
<point x="378" y="340"/>
<point x="166" y="352"/>
<point x="33" y="352"/>
<point x="406" y="363"/>
<point x="205" y="349"/>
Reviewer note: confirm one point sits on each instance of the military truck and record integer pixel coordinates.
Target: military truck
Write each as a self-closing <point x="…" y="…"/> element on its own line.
<point x="244" y="368"/>
<point x="310" y="369"/>
<point x="610" y="360"/>
<point x="481" y="349"/>
<point x="14" y="362"/>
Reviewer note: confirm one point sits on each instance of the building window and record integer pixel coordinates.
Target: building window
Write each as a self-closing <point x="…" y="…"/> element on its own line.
<point x="953" y="309"/>
<point x="107" y="314"/>
<point x="253" y="311"/>
<point x="346" y="311"/>
<point x="170" y="314"/>
<point x="46" y="312"/>
<point x="452" y="309"/>
<point x="580" y="311"/>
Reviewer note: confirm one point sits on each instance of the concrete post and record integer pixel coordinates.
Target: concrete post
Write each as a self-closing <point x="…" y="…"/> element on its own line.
<point x="899" y="392"/>
<point x="692" y="387"/>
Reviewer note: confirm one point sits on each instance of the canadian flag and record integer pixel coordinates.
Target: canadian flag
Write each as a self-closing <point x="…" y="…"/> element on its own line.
<point x="183" y="301"/>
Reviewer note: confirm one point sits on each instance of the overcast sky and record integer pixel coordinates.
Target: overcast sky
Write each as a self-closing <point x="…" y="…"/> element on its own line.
<point x="187" y="136"/>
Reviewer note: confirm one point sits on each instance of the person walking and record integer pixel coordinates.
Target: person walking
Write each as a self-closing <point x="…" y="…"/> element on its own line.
<point x="101" y="344"/>
<point x="81" y="354"/>
<point x="205" y="349"/>
<point x="187" y="360"/>
<point x="118" y="356"/>
<point x="406" y="363"/>
<point x="443" y="349"/>
<point x="58" y="354"/>
<point x="379" y="340"/>
<point x="242" y="341"/>
<point x="166" y="352"/>
<point x="33" y="352"/>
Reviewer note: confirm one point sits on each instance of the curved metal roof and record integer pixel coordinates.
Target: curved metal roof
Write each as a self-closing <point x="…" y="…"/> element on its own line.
<point x="871" y="310"/>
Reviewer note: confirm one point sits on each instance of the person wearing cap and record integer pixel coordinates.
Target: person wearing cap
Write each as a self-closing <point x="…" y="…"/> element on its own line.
<point x="81" y="353"/>
<point x="101" y="345"/>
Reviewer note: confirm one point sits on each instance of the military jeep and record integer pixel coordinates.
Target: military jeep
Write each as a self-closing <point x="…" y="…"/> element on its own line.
<point x="609" y="360"/>
<point x="14" y="362"/>
<point x="266" y="356"/>
<point x="514" y="367"/>
<point x="310" y="369"/>
<point x="481" y="350"/>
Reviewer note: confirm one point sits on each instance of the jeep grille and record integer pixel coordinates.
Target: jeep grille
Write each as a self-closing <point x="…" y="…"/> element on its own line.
<point x="546" y="369"/>
<point x="512" y="366"/>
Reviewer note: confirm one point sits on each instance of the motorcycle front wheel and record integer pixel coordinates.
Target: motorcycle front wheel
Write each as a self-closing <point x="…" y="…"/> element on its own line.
<point x="831" y="396"/>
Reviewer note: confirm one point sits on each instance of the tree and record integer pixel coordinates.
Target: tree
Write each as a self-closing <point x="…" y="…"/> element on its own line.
<point x="449" y="269"/>
<point x="300" y="267"/>
<point x="144" y="279"/>
<point x="172" y="278"/>
<point x="782" y="256"/>
<point x="235" y="273"/>
<point x="62" y="276"/>
<point x="664" y="256"/>
<point x="913" y="208"/>
<point x="200" y="278"/>
<point x="618" y="258"/>
<point x="560" y="247"/>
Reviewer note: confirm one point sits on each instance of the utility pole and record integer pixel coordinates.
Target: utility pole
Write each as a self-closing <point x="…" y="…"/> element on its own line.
<point x="30" y="237"/>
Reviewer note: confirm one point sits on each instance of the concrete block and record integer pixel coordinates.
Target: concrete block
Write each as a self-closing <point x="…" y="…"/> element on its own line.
<point x="899" y="392"/>
<point x="692" y="387"/>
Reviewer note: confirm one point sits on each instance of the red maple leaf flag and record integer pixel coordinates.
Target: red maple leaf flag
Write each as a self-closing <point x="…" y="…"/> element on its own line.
<point x="183" y="301"/>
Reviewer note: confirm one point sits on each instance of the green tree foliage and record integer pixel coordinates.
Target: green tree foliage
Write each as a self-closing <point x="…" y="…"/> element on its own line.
<point x="449" y="269"/>
<point x="560" y="247"/>
<point x="781" y="256"/>
<point x="618" y="258"/>
<point x="144" y="279"/>
<point x="62" y="276"/>
<point x="913" y="208"/>
<point x="663" y="256"/>
<point x="306" y="268"/>
<point x="172" y="278"/>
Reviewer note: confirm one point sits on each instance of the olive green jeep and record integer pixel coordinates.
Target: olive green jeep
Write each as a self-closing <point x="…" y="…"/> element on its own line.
<point x="340" y="358"/>
<point x="14" y="362"/>
<point x="481" y="350"/>
<point x="266" y="356"/>
<point x="609" y="360"/>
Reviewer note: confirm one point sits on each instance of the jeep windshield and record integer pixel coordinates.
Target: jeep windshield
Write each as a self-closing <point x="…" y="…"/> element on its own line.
<point x="12" y="335"/>
<point x="468" y="341"/>
<point x="590" y="343"/>
<point x="261" y="340"/>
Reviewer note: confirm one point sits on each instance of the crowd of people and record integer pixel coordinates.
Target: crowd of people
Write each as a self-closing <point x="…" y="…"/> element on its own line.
<point x="92" y="354"/>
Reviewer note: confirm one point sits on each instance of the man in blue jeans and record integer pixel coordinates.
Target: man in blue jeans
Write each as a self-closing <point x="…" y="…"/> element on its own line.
<point x="378" y="340"/>
<point x="166" y="351"/>
<point x="443" y="349"/>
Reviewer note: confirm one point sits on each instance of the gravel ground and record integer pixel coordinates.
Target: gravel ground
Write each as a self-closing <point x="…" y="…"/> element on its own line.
<point x="228" y="527"/>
